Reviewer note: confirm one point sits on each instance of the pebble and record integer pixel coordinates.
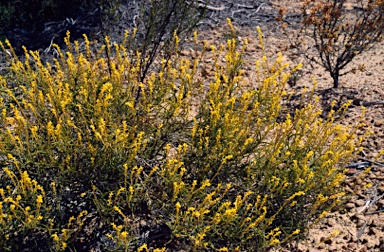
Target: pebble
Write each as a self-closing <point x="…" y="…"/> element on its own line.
<point x="380" y="188"/>
<point x="376" y="223"/>
<point x="352" y="245"/>
<point x="359" y="219"/>
<point x="185" y="53"/>
<point x="350" y="206"/>
<point x="331" y="222"/>
<point x="321" y="245"/>
<point x="373" y="208"/>
<point x="360" y="202"/>
<point x="380" y="203"/>
<point x="374" y="231"/>
<point x="370" y="243"/>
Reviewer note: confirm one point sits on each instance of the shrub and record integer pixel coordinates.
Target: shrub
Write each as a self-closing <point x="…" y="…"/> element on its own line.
<point x="338" y="34"/>
<point x="205" y="161"/>
<point x="31" y="15"/>
<point x="156" y="25"/>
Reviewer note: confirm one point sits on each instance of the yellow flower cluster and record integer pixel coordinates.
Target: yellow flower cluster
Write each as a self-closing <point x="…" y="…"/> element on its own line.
<point x="215" y="160"/>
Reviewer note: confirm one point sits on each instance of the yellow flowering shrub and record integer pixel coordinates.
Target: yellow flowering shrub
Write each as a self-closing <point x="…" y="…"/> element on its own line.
<point x="209" y="159"/>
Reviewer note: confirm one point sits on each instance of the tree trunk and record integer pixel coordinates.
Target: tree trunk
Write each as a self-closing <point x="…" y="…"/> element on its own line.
<point x="335" y="77"/>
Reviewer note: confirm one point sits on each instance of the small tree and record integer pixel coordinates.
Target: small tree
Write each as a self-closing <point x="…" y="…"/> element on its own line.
<point x="158" y="24"/>
<point x="339" y="33"/>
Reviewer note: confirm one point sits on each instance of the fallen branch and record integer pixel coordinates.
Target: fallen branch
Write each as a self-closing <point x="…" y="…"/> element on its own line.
<point x="365" y="104"/>
<point x="359" y="165"/>
<point x="360" y="102"/>
<point x="203" y="4"/>
<point x="375" y="212"/>
<point x="372" y="162"/>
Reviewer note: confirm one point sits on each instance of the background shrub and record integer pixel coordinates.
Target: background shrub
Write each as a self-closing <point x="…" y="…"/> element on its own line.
<point x="200" y="162"/>
<point x="32" y="15"/>
<point x="158" y="23"/>
<point x="337" y="34"/>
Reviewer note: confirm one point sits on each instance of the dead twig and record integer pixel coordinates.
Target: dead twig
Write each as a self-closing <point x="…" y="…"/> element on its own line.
<point x="365" y="104"/>
<point x="359" y="165"/>
<point x="373" y="162"/>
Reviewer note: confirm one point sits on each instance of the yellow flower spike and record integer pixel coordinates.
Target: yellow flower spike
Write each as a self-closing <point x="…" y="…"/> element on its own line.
<point x="53" y="185"/>
<point x="109" y="201"/>
<point x="63" y="245"/>
<point x="10" y="48"/>
<point x="204" y="184"/>
<point x="131" y="192"/>
<point x="334" y="234"/>
<point x="121" y="190"/>
<point x="138" y="171"/>
<point x="176" y="40"/>
<point x="195" y="37"/>
<point x="57" y="131"/>
<point x="296" y="194"/>
<point x="272" y="232"/>
<point x="12" y="207"/>
<point x="176" y="189"/>
<point x="39" y="201"/>
<point x="260" y="37"/>
<point x="143" y="247"/>
<point x="178" y="206"/>
<point x="55" y="237"/>
<point x="124" y="235"/>
<point x="50" y="129"/>
<point x="273" y="242"/>
<point x="229" y="215"/>
<point x="205" y="45"/>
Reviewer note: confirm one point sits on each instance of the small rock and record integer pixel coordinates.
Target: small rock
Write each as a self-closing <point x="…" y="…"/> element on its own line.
<point x="353" y="239"/>
<point x="380" y="189"/>
<point x="208" y="60"/>
<point x="360" y="202"/>
<point x="371" y="243"/>
<point x="351" y="171"/>
<point x="352" y="246"/>
<point x="185" y="53"/>
<point x="376" y="223"/>
<point x="374" y="231"/>
<point x="359" y="219"/>
<point x="350" y="206"/>
<point x="349" y="190"/>
<point x="321" y="245"/>
<point x="331" y="222"/>
<point x="373" y="208"/>
<point x="381" y="245"/>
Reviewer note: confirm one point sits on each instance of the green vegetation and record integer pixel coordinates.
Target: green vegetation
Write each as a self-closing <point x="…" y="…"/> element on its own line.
<point x="83" y="155"/>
